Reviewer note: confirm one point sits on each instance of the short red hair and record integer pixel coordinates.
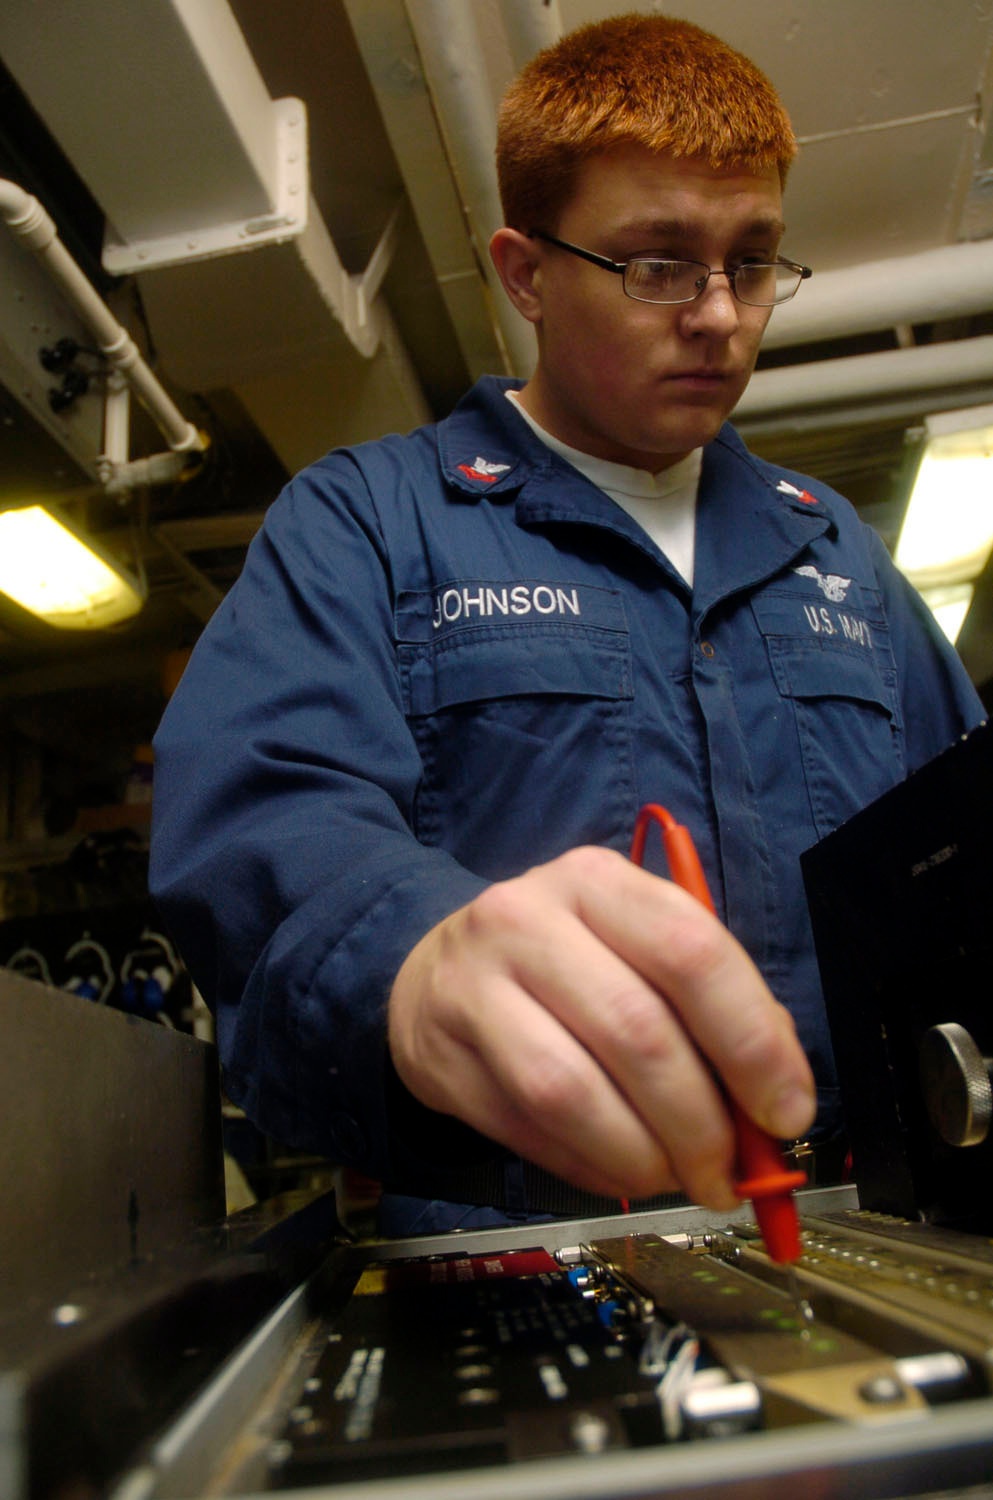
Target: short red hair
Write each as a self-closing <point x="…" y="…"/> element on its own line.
<point x="651" y="80"/>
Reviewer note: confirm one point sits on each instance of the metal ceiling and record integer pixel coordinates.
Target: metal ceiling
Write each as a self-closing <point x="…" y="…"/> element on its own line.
<point x="288" y="205"/>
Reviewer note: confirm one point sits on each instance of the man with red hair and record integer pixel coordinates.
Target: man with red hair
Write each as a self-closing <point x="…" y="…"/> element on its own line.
<point x="397" y="785"/>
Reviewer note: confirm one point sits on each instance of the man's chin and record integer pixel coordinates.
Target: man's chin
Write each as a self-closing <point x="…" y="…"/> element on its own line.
<point x="698" y="428"/>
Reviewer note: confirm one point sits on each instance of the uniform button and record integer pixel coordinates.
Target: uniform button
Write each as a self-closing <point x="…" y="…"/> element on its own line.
<point x="707" y="649"/>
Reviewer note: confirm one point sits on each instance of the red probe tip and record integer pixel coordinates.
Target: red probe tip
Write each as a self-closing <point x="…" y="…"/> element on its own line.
<point x="775" y="1211"/>
<point x="767" y="1181"/>
<point x="780" y="1226"/>
<point x="770" y="1186"/>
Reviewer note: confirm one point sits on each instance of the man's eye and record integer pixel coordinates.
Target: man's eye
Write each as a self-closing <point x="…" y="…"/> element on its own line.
<point x="666" y="273"/>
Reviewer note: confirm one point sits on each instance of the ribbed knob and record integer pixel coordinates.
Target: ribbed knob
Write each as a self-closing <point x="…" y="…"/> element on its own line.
<point x="955" y="1077"/>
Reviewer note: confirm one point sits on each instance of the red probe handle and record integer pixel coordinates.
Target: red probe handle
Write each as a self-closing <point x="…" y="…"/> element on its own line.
<point x="680" y="852"/>
<point x="765" y="1177"/>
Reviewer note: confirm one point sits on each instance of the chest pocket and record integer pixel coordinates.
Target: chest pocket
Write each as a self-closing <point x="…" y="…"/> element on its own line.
<point x="524" y="732"/>
<point x="833" y="663"/>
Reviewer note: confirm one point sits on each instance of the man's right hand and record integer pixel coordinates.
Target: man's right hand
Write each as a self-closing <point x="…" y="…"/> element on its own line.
<point x="578" y="1014"/>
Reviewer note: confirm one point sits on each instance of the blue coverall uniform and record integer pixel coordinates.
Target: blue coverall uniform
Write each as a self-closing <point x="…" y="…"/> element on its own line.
<point x="451" y="657"/>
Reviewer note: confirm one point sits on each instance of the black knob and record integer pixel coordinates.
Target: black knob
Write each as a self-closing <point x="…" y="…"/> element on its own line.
<point x="58" y="357"/>
<point x="75" y="383"/>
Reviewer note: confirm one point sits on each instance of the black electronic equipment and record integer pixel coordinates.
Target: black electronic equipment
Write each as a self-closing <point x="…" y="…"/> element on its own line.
<point x="643" y="1350"/>
<point x="901" y="900"/>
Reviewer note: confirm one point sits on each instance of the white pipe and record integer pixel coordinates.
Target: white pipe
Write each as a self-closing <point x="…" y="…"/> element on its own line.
<point x="949" y="282"/>
<point x="26" y="218"/>
<point x="930" y="367"/>
<point x="119" y="480"/>
<point x="902" y="408"/>
<point x="452" y="55"/>
<point x="116" y="422"/>
<point x="530" y="26"/>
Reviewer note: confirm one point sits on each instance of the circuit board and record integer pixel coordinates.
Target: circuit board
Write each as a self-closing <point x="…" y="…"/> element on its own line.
<point x="466" y="1361"/>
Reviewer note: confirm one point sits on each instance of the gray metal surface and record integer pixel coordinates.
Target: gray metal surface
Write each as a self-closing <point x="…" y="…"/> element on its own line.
<point x="88" y="1397"/>
<point x="111" y="1144"/>
<point x="559" y="1234"/>
<point x="939" y="1457"/>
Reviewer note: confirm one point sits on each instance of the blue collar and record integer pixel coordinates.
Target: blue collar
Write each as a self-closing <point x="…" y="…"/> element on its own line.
<point x="753" y="518"/>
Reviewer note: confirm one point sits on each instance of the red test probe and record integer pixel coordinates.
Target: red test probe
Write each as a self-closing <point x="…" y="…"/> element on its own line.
<point x="765" y="1178"/>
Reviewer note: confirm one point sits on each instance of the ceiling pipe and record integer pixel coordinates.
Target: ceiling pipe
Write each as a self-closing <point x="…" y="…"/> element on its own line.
<point x="928" y="368"/>
<point x="905" y="409"/>
<point x="530" y="26"/>
<point x="950" y="282"/>
<point x="31" y="224"/>
<point x="454" y="61"/>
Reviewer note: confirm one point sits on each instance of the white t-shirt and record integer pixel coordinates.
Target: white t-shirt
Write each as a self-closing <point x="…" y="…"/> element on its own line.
<point x="664" y="504"/>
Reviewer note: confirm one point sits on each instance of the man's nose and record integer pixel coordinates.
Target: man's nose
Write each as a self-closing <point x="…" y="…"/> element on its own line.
<point x="716" y="311"/>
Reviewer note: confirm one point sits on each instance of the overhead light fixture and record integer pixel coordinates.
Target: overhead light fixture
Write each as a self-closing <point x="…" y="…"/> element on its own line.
<point x="947" y="532"/>
<point x="949" y="605"/>
<point x="48" y="568"/>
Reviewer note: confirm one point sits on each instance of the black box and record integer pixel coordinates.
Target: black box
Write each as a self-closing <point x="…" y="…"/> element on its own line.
<point x="901" y="900"/>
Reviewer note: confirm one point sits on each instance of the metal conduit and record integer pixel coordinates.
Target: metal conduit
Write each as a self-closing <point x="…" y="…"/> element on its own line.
<point x="26" y="218"/>
<point x="929" y="368"/>
<point x="949" y="282"/>
<point x="530" y="26"/>
<point x="453" y="57"/>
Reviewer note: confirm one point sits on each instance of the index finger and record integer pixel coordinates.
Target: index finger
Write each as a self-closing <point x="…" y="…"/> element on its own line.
<point x="721" y="999"/>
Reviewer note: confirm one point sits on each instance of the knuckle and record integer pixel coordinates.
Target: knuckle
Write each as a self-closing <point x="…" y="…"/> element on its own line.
<point x="554" y="1087"/>
<point x="590" y="864"/>
<point x="499" y="907"/>
<point x="760" y="1042"/>
<point x="697" y="949"/>
<point x="634" y="1016"/>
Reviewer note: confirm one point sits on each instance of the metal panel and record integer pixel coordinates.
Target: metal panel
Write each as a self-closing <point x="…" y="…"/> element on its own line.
<point x="36" y="315"/>
<point x="81" y="1397"/>
<point x="111" y="1149"/>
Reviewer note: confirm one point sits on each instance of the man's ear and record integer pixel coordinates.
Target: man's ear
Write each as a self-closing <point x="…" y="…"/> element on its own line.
<point x="516" y="259"/>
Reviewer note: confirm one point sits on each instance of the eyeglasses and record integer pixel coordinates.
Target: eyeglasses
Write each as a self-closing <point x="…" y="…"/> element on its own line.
<point x="655" y="278"/>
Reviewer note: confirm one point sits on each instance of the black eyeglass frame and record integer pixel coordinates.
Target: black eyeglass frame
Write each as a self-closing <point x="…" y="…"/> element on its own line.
<point x="619" y="268"/>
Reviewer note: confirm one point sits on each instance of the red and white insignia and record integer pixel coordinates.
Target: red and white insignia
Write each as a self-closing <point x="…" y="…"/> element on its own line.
<point x="483" y="469"/>
<point x="804" y="496"/>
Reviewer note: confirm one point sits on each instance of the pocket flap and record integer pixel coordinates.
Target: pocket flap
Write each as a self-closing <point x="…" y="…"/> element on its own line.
<point x="837" y="671"/>
<point x="515" y="661"/>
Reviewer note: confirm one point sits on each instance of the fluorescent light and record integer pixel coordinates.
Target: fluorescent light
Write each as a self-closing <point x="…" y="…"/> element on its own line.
<point x="47" y="569"/>
<point x="949" y="605"/>
<point x="947" y="532"/>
